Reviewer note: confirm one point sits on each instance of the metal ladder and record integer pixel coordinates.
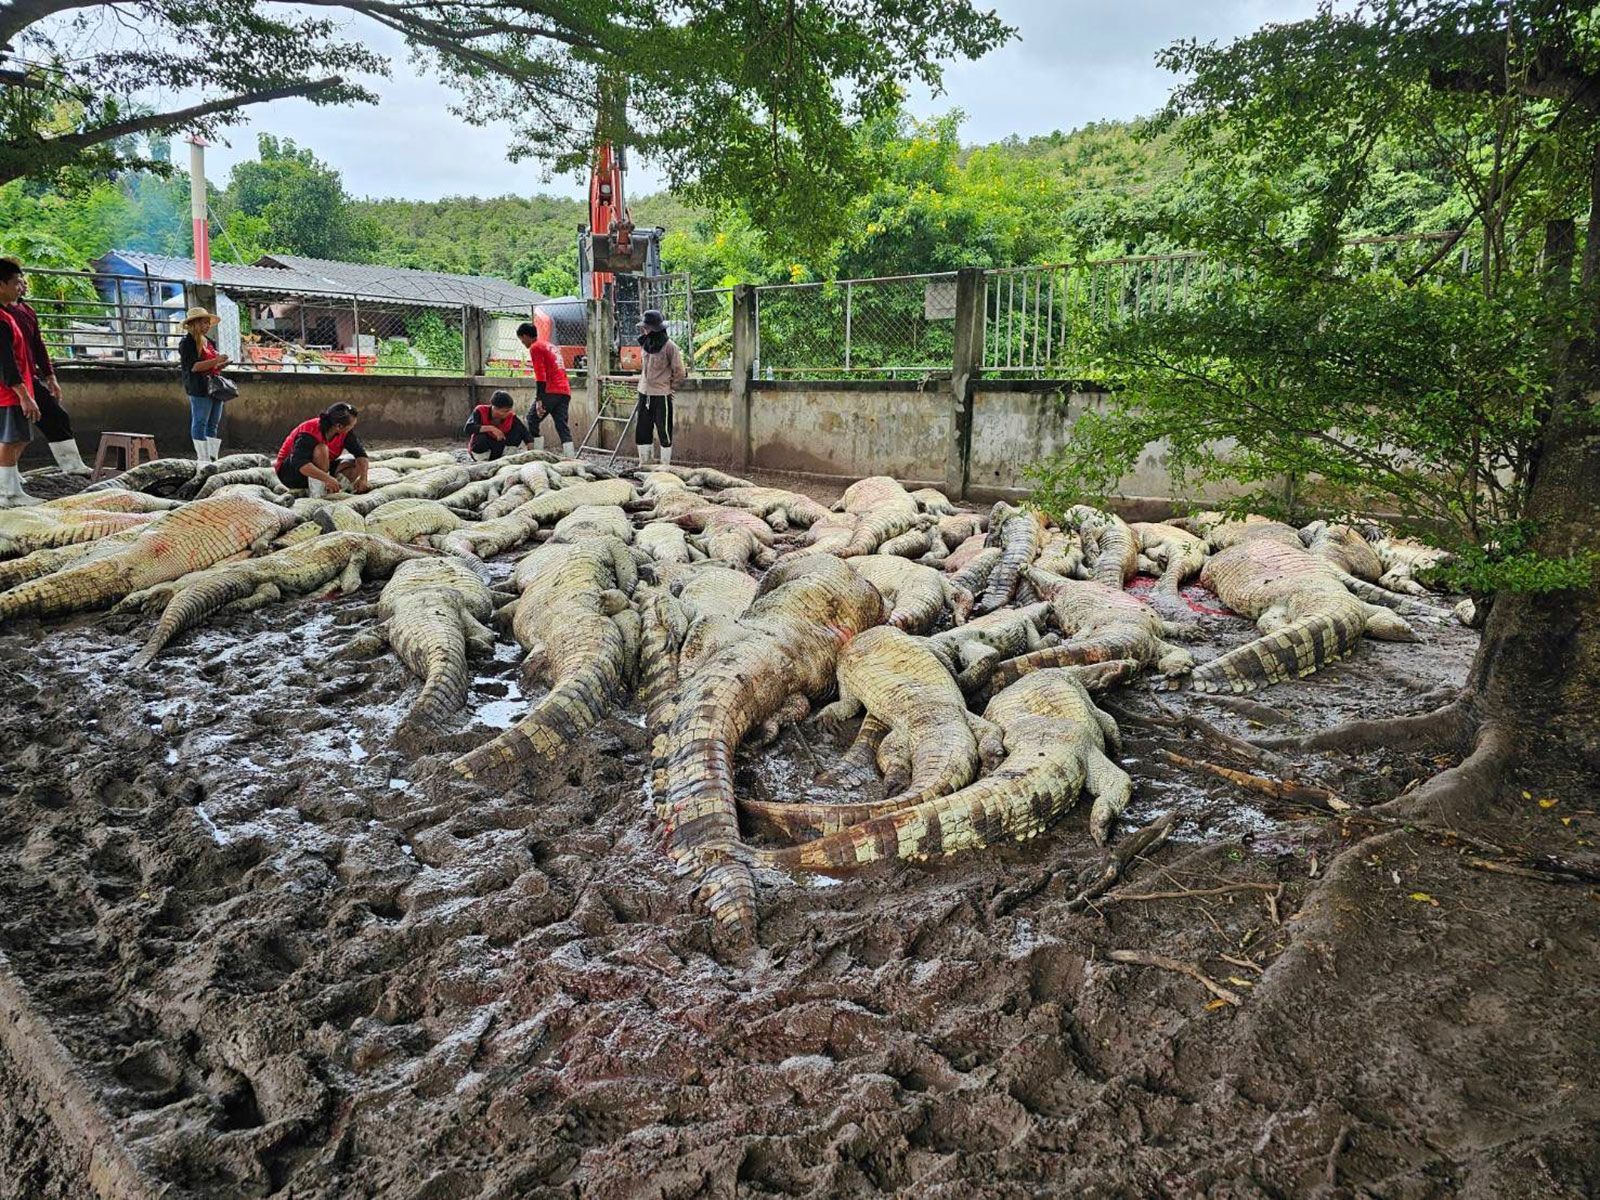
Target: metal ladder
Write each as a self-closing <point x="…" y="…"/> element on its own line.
<point x="612" y="391"/>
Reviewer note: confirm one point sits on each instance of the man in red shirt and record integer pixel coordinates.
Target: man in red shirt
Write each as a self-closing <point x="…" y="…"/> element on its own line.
<point x="554" y="393"/>
<point x="52" y="420"/>
<point x="17" y="405"/>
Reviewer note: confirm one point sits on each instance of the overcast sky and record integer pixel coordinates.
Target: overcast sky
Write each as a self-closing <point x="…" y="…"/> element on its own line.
<point x="1073" y="61"/>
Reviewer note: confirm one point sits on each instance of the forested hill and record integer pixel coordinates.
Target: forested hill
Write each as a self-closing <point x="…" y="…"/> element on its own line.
<point x="937" y="205"/>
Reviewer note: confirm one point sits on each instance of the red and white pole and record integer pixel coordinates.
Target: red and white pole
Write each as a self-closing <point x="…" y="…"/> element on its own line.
<point x="197" y="209"/>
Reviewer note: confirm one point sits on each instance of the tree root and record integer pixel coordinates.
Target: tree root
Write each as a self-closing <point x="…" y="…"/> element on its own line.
<point x="1184" y="893"/>
<point x="1461" y="790"/>
<point x="1139" y="843"/>
<point x="1252" y="710"/>
<point x="1141" y="958"/>
<point x="1493" y="744"/>
<point x="1443" y="726"/>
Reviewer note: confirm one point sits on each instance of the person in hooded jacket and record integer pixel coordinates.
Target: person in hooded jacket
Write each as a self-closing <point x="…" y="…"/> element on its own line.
<point x="494" y="426"/>
<point x="661" y="372"/>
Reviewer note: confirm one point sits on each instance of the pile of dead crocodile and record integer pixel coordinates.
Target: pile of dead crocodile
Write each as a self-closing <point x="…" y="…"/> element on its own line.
<point x="969" y="646"/>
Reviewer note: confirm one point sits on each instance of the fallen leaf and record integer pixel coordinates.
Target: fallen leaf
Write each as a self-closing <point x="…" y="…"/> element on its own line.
<point x="1527" y="795"/>
<point x="1424" y="898"/>
<point x="1548" y="802"/>
<point x="1568" y="820"/>
<point x="1213" y="1005"/>
<point x="1237" y="982"/>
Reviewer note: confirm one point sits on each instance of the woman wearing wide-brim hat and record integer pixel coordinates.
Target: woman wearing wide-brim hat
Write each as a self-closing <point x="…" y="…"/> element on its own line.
<point x="198" y="356"/>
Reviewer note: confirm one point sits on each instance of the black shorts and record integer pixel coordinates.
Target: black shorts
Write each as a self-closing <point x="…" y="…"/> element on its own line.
<point x="13" y="425"/>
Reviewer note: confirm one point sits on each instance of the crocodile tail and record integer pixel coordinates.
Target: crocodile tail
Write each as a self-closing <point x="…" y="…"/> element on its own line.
<point x="191" y="606"/>
<point x="88" y="585"/>
<point x="570" y="710"/>
<point x="1005" y="804"/>
<point x="1113" y="645"/>
<point x="728" y="890"/>
<point x="1298" y="649"/>
<point x="444" y="687"/>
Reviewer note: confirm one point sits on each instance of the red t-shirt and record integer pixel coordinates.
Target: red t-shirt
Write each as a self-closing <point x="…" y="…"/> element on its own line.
<point x="547" y="369"/>
<point x="22" y="359"/>
<point x="312" y="428"/>
<point x="485" y="415"/>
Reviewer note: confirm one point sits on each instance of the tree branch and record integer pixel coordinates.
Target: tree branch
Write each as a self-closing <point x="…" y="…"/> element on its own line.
<point x="183" y="116"/>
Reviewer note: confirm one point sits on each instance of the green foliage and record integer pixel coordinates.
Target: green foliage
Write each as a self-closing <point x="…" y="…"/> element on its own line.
<point x="295" y="204"/>
<point x="1326" y="375"/>
<point x="1507" y="560"/>
<point x="436" y="344"/>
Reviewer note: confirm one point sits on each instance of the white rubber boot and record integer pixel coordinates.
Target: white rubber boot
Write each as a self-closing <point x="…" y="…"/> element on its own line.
<point x="216" y="448"/>
<point x="68" y="459"/>
<point x="202" y="450"/>
<point x="644" y="455"/>
<point x="538" y="443"/>
<point x="666" y="456"/>
<point x="11" y="493"/>
<point x="567" y="450"/>
<point x="480" y="455"/>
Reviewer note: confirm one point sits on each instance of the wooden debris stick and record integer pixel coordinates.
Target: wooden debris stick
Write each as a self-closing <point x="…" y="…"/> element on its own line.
<point x="1276" y="788"/>
<point x="1223" y="889"/>
<point x="1142" y="958"/>
<point x="1138" y="843"/>
<point x="1243" y="962"/>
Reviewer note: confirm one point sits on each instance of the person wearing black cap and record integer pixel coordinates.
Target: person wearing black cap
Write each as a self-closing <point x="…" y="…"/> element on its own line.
<point x="659" y="376"/>
<point x="492" y="427"/>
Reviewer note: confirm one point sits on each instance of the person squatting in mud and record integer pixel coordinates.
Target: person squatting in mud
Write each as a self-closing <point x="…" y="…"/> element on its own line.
<point x="310" y="456"/>
<point x="492" y="427"/>
<point x="52" y="420"/>
<point x="659" y="376"/>
<point x="17" y="403"/>
<point x="553" y="392"/>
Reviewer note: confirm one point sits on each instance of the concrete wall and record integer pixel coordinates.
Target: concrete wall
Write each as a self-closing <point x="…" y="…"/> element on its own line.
<point x="394" y="410"/>
<point x="842" y="429"/>
<point x="850" y="428"/>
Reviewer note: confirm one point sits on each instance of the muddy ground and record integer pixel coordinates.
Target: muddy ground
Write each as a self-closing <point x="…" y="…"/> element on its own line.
<point x="286" y="956"/>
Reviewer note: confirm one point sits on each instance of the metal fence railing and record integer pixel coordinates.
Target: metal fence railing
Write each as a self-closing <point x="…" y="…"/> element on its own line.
<point x="1036" y="318"/>
<point x="699" y="320"/>
<point x="98" y="318"/>
<point x="894" y="327"/>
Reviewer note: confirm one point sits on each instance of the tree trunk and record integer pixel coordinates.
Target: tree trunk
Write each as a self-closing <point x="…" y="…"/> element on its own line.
<point x="1538" y="669"/>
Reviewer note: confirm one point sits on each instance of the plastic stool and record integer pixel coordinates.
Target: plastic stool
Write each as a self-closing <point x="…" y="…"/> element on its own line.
<point x="135" y="447"/>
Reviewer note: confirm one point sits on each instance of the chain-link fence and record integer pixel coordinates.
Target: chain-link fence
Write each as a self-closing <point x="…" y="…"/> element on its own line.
<point x="899" y="327"/>
<point x="700" y="321"/>
<point x="98" y="318"/>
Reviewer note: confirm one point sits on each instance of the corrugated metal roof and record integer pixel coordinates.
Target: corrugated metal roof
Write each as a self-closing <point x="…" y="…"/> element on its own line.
<point x="290" y="273"/>
<point x="371" y="279"/>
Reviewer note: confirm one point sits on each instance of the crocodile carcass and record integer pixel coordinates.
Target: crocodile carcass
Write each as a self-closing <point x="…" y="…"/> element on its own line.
<point x="973" y="650"/>
<point x="159" y="474"/>
<point x="883" y="511"/>
<point x="1110" y="547"/>
<point x="1301" y="603"/>
<point x="412" y="520"/>
<point x="592" y="521"/>
<point x="485" y="539"/>
<point x="1055" y="746"/>
<point x="1017" y="533"/>
<point x="917" y="595"/>
<point x="1175" y="553"/>
<point x="329" y="563"/>
<point x="917" y="727"/>
<point x="575" y="621"/>
<point x="24" y="530"/>
<point x="1100" y="624"/>
<point x="432" y="612"/>
<point x="777" y="507"/>
<point x="778" y="657"/>
<point x="186" y="539"/>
